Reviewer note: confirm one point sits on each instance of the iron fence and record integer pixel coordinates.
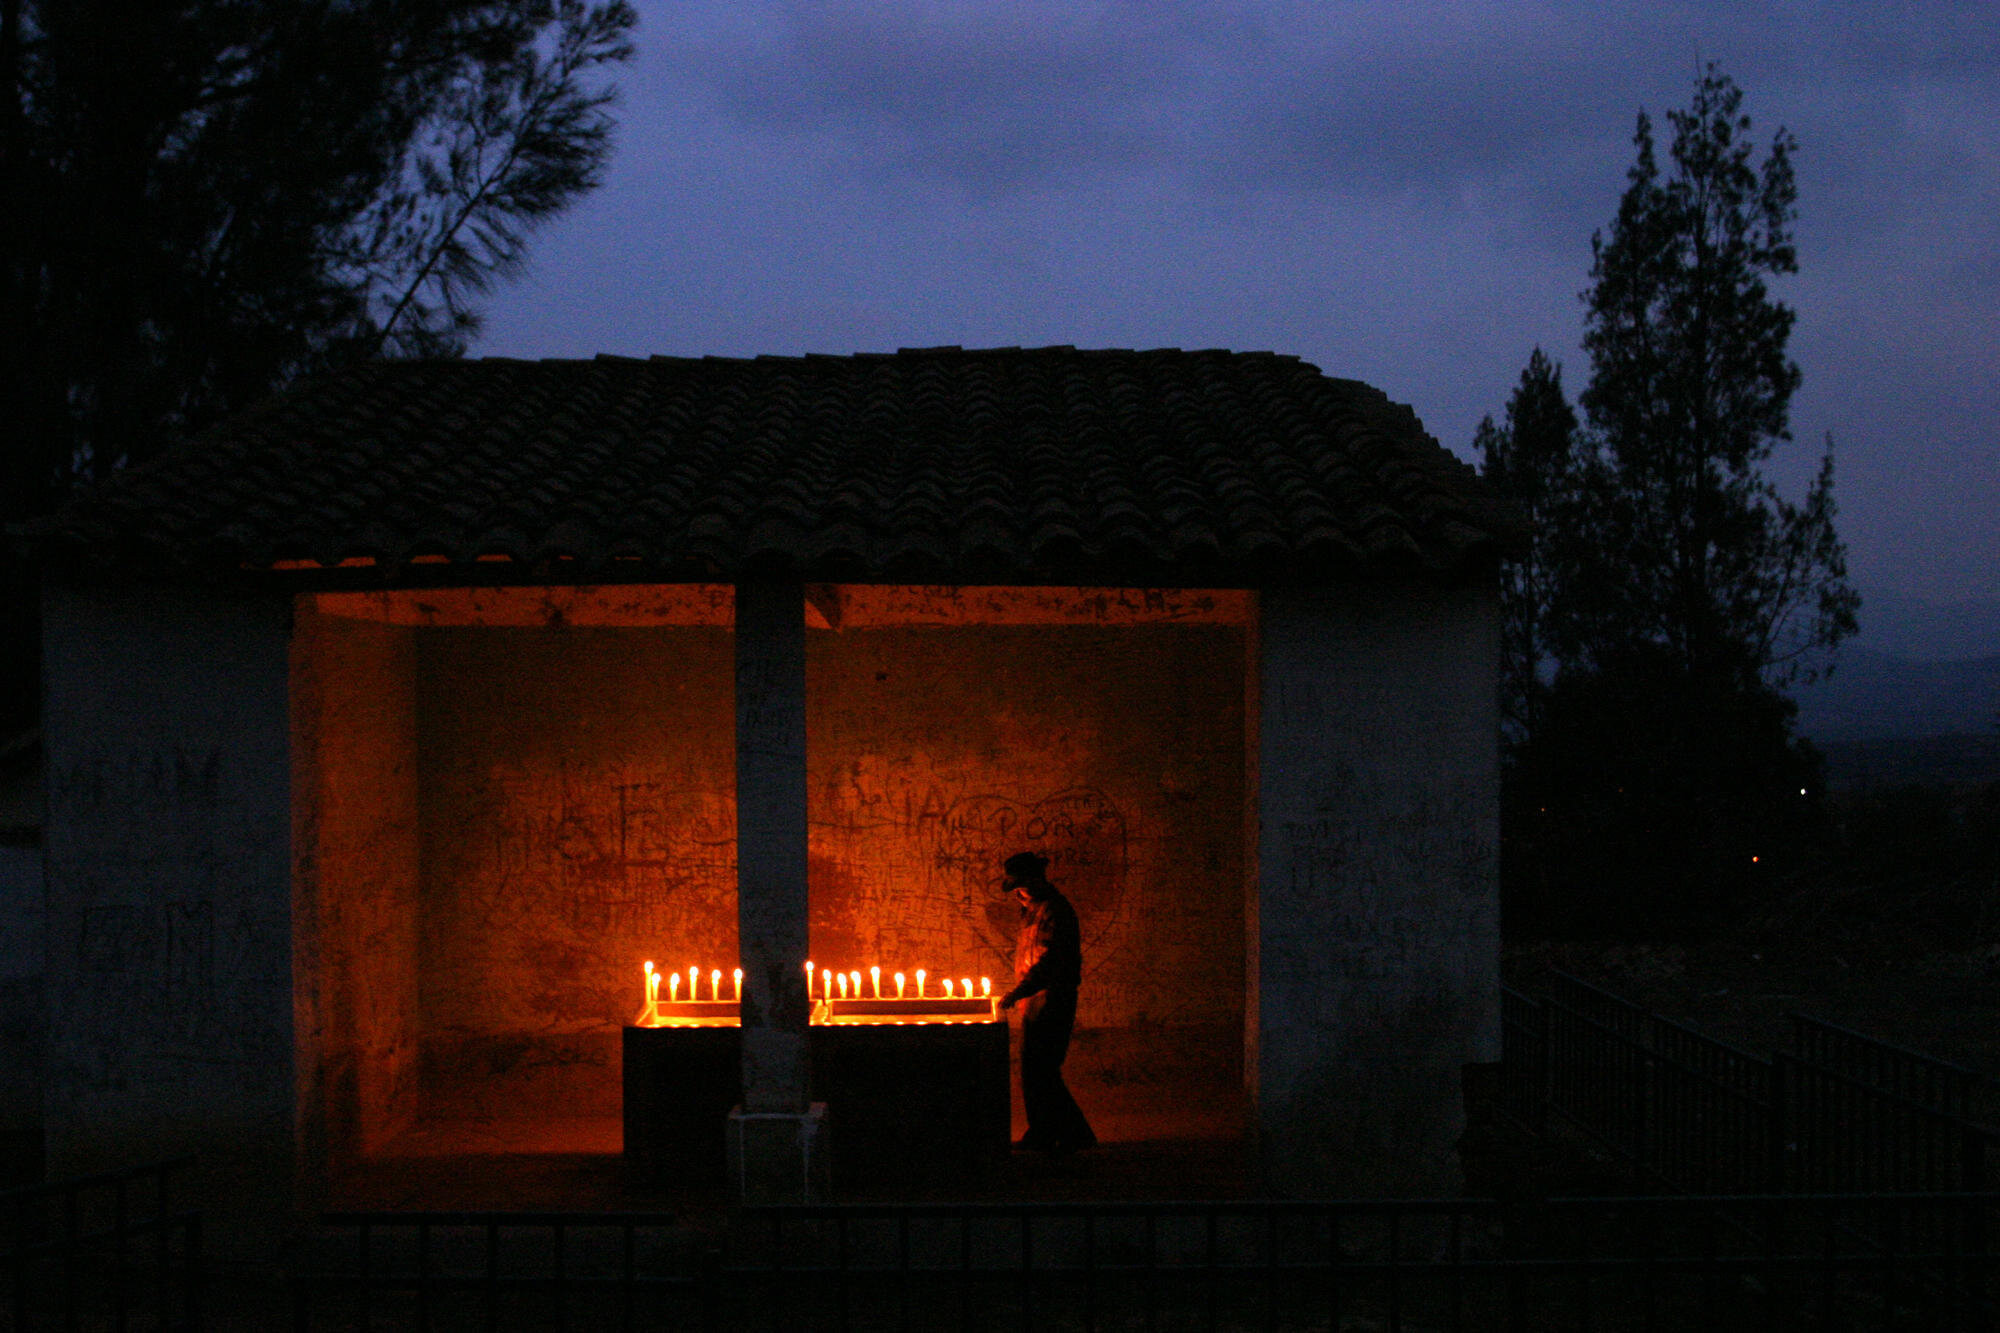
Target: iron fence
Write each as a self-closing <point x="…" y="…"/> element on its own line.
<point x="1823" y="1262"/>
<point x="489" y="1269"/>
<point x="1839" y="1112"/>
<point x="1896" y="1070"/>
<point x="109" y="1251"/>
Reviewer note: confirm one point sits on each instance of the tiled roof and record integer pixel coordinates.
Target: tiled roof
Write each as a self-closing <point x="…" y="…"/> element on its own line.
<point x="1159" y="468"/>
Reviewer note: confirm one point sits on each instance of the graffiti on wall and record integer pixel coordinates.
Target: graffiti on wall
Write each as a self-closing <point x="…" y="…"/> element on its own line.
<point x="907" y="870"/>
<point x="174" y="962"/>
<point x="1396" y="877"/>
<point x="1080" y="830"/>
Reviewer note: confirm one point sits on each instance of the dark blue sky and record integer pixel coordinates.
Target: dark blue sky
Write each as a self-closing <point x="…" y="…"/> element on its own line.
<point x="1398" y="192"/>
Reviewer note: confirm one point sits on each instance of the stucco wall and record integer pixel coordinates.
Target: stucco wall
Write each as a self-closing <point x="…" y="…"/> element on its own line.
<point x="169" y="883"/>
<point x="578" y="814"/>
<point x="354" y="737"/>
<point x="1378" y="899"/>
<point x="577" y="817"/>
<point x="1117" y="750"/>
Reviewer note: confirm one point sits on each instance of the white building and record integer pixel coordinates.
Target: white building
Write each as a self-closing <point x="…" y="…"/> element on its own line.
<point x="387" y="725"/>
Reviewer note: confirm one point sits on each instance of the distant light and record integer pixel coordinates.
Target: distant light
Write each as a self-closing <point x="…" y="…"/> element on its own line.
<point x="1753" y="860"/>
<point x="1802" y="791"/>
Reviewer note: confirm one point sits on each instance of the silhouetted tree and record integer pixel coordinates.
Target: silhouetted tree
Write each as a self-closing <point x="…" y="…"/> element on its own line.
<point x="1690" y="388"/>
<point x="1676" y="591"/>
<point x="201" y="199"/>
<point x="1532" y="459"/>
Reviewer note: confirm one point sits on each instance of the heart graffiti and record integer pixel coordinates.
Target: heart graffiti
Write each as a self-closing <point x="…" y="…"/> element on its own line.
<point x="1079" y="830"/>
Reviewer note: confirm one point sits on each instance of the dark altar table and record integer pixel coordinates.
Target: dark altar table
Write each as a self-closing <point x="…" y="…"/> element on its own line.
<point x="915" y="1097"/>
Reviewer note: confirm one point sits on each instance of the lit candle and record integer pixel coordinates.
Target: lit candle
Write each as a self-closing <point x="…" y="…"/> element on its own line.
<point x="739" y="985"/>
<point x="899" y="985"/>
<point x="843" y="985"/>
<point x="856" y="974"/>
<point x="947" y="988"/>
<point x="694" y="984"/>
<point x="920" y="983"/>
<point x="715" y="984"/>
<point x="674" y="988"/>
<point x="825" y="984"/>
<point x="965" y="984"/>
<point x="652" y="985"/>
<point x="809" y="978"/>
<point x="875" y="979"/>
<point x="985" y="987"/>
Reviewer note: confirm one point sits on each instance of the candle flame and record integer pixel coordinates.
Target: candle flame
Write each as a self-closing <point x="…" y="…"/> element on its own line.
<point x="985" y="987"/>
<point x="842" y="978"/>
<point x="649" y="967"/>
<point x="920" y="983"/>
<point x="825" y="984"/>
<point x="856" y="974"/>
<point x="715" y="984"/>
<point x="674" y="988"/>
<point x="694" y="983"/>
<point x="875" y="980"/>
<point x="899" y="985"/>
<point x="809" y="978"/>
<point x="947" y="988"/>
<point x="965" y="984"/>
<point x="739" y="984"/>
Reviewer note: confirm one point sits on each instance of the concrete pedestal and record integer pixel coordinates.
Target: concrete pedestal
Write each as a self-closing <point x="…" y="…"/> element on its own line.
<point x="916" y="1106"/>
<point x="779" y="1157"/>
<point x="680" y="1085"/>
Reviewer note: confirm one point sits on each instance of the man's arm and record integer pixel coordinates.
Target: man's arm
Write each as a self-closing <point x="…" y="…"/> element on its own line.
<point x="1034" y="983"/>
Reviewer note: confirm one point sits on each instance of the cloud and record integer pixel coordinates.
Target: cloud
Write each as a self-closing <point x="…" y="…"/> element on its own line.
<point x="992" y="95"/>
<point x="1434" y="99"/>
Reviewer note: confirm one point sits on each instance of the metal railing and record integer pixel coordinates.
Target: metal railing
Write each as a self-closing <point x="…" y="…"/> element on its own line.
<point x="1839" y="1112"/>
<point x="107" y="1251"/>
<point x="513" y="1269"/>
<point x="1735" y="1262"/>
<point x="1909" y="1075"/>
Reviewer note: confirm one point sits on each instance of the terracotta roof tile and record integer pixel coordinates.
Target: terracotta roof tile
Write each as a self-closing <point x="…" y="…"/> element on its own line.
<point x="934" y="465"/>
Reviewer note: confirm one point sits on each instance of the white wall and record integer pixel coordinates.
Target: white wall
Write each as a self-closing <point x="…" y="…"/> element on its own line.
<point x="1378" y="891"/>
<point x="169" y="979"/>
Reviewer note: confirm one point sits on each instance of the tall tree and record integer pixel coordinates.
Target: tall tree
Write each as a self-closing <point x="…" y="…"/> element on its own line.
<point x="1533" y="460"/>
<point x="1690" y="389"/>
<point x="1677" y="590"/>
<point x="202" y="199"/>
<point x="205" y="198"/>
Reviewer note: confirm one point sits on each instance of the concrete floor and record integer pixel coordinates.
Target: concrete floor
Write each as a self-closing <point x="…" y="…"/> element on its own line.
<point x="1154" y="1143"/>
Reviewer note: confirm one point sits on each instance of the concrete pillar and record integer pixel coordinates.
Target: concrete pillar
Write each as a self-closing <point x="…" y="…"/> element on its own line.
<point x="165" y="722"/>
<point x="1378" y="892"/>
<point x="775" y="1150"/>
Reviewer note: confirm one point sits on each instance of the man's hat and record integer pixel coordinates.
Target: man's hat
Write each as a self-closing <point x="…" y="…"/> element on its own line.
<point x="1025" y="865"/>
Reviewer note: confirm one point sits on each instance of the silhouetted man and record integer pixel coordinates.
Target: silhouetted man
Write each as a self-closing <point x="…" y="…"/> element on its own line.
<point x="1048" y="960"/>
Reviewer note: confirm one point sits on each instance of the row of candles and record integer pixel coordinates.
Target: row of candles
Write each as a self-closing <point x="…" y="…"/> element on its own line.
<point x="694" y="984"/>
<point x="846" y="983"/>
<point x="830" y="981"/>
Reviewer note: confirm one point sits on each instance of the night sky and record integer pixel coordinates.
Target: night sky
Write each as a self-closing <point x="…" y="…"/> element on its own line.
<point x="1401" y="193"/>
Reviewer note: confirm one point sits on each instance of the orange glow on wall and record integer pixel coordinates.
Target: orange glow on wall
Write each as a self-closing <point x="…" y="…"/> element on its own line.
<point x="525" y="790"/>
